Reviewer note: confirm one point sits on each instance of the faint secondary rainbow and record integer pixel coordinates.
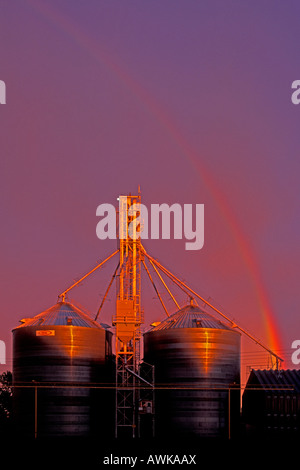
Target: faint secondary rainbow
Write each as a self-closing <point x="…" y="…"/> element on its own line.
<point x="99" y="54"/>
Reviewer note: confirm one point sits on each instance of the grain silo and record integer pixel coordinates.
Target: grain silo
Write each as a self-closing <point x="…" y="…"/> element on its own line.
<point x="196" y="359"/>
<point x="57" y="355"/>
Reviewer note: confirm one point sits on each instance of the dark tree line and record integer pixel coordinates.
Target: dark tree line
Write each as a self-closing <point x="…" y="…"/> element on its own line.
<point x="5" y="401"/>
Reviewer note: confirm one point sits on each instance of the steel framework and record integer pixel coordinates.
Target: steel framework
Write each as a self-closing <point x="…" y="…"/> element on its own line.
<point x="128" y="318"/>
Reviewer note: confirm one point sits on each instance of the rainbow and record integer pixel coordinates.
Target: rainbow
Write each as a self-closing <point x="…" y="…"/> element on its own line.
<point x="99" y="54"/>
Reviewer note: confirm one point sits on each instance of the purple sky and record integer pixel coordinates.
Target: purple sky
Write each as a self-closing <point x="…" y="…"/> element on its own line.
<point x="189" y="99"/>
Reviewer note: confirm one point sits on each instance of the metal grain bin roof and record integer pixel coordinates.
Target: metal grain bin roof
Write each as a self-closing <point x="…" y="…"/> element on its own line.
<point x="63" y="313"/>
<point x="190" y="316"/>
<point x="271" y="379"/>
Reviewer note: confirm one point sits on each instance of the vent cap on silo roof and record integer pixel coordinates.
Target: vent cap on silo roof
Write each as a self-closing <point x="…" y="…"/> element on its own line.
<point x="190" y="316"/>
<point x="61" y="314"/>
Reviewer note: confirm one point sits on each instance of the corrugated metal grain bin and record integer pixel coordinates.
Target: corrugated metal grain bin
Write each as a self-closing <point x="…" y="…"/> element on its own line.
<point x="196" y="359"/>
<point x="61" y="351"/>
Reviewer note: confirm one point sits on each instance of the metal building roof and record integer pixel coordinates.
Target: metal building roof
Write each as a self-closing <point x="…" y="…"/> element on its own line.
<point x="270" y="379"/>
<point x="63" y="313"/>
<point x="190" y="316"/>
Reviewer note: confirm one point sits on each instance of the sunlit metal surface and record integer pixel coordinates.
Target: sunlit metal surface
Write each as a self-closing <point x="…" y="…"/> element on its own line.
<point x="190" y="316"/>
<point x="61" y="346"/>
<point x="60" y="314"/>
<point x="191" y="350"/>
